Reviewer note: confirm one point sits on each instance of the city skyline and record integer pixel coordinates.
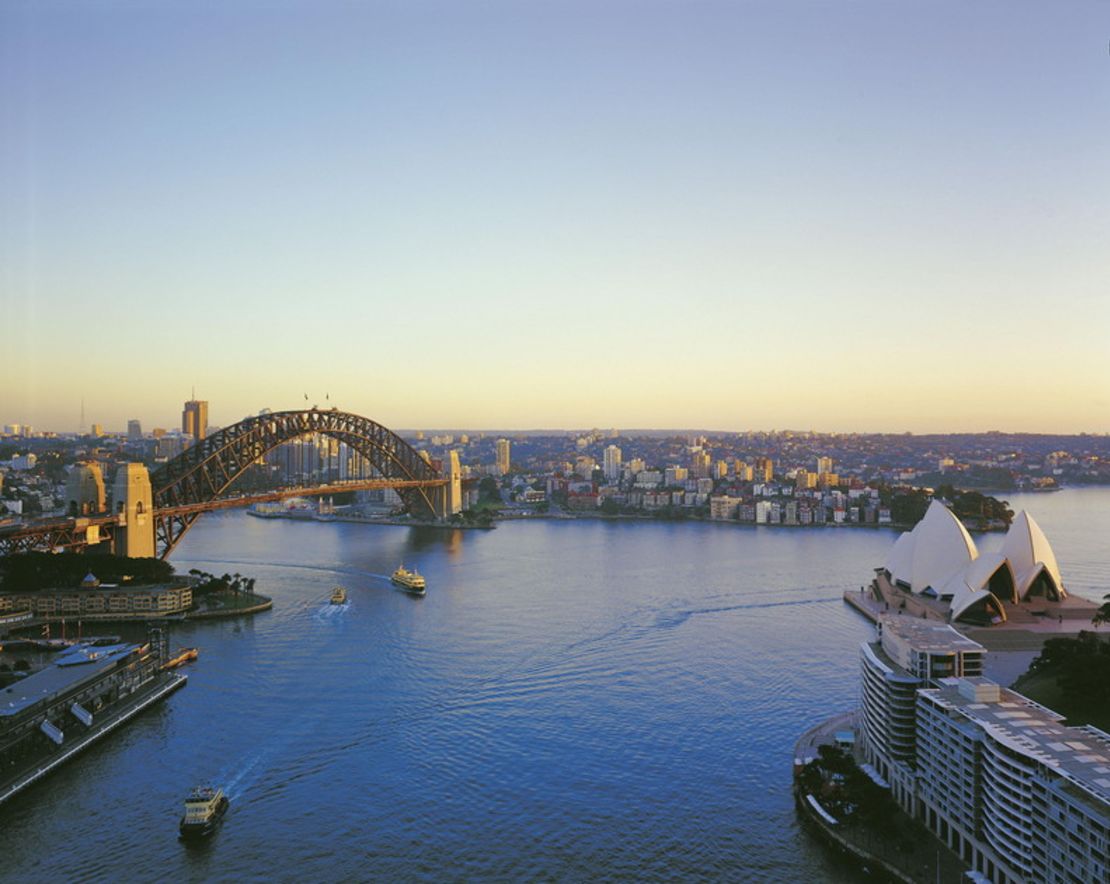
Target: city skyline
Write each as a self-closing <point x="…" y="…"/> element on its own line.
<point x="845" y="218"/>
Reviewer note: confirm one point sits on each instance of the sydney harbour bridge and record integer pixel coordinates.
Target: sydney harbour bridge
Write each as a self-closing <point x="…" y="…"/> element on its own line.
<point x="151" y="511"/>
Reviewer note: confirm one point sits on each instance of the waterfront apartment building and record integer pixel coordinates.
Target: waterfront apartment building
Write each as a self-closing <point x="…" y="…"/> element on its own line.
<point x="909" y="654"/>
<point x="504" y="461"/>
<point x="1005" y="783"/>
<point x="1002" y="780"/>
<point x="722" y="506"/>
<point x="194" y="419"/>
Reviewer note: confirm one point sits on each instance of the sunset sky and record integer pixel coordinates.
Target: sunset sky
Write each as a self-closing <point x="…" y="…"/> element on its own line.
<point x="808" y="215"/>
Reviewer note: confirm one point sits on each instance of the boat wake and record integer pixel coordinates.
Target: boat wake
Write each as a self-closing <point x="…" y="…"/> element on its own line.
<point x="330" y="611"/>
<point x="239" y="781"/>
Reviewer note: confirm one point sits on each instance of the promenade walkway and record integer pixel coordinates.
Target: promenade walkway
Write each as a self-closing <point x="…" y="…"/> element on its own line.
<point x="912" y="854"/>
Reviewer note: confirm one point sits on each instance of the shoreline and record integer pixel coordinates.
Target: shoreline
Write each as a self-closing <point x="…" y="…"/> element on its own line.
<point x="264" y="603"/>
<point x="903" y="867"/>
<point x="527" y="516"/>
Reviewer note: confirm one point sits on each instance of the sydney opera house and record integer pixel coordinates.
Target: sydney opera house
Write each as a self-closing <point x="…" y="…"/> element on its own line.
<point x="939" y="562"/>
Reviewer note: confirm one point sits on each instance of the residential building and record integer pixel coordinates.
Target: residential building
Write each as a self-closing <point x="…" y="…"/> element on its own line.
<point x="611" y="464"/>
<point x="723" y="507"/>
<point x="1012" y="789"/>
<point x="675" y="475"/>
<point x="908" y="654"/>
<point x="764" y="469"/>
<point x="1019" y="795"/>
<point x="504" y="461"/>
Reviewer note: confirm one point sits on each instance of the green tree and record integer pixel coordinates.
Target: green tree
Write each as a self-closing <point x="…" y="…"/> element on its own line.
<point x="1102" y="615"/>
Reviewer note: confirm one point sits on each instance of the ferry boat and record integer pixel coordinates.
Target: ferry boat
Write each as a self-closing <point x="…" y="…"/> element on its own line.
<point x="409" y="581"/>
<point x="204" y="807"/>
<point x="338" y="596"/>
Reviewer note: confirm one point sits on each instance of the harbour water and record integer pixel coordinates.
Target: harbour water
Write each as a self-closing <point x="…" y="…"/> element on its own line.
<point x="570" y="701"/>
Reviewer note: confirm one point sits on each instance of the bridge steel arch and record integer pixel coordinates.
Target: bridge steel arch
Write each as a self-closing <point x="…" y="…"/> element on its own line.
<point x="206" y="470"/>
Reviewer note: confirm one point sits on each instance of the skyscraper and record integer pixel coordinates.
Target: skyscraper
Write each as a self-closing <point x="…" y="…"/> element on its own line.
<point x="194" y="419"/>
<point x="764" y="469"/>
<point x="611" y="463"/>
<point x="134" y="430"/>
<point x="503" y="460"/>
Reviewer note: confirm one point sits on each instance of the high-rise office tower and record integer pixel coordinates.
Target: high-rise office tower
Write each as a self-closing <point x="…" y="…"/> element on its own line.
<point x="134" y="430"/>
<point x="194" y="419"/>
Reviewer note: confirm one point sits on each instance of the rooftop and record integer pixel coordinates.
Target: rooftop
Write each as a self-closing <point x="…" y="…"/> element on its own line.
<point x="1081" y="755"/>
<point x="928" y="635"/>
<point x="64" y="673"/>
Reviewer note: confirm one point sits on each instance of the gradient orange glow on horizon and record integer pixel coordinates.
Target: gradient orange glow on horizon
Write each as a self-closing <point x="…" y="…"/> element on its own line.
<point x="722" y="216"/>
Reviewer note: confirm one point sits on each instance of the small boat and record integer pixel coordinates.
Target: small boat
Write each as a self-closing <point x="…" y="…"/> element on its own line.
<point x="409" y="581"/>
<point x="184" y="655"/>
<point x="339" y="596"/>
<point x="204" y="807"/>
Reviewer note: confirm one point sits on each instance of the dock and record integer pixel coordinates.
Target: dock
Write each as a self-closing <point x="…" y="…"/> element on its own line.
<point x="82" y="695"/>
<point x="15" y="784"/>
<point x="864" y="603"/>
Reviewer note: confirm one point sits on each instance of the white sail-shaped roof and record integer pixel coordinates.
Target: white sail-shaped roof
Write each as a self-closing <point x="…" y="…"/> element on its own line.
<point x="1029" y="553"/>
<point x="899" y="561"/>
<point x="937" y="548"/>
<point x="975" y="575"/>
<point x="970" y="584"/>
<point x="962" y="603"/>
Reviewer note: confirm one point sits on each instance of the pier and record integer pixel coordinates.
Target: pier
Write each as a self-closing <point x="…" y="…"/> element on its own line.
<point x="83" y="694"/>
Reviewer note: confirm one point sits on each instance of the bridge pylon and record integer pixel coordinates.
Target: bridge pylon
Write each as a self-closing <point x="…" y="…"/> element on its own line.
<point x="133" y="501"/>
<point x="447" y="499"/>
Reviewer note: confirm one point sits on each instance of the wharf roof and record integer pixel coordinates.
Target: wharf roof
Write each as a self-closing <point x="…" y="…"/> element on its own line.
<point x="61" y="675"/>
<point x="1081" y="755"/>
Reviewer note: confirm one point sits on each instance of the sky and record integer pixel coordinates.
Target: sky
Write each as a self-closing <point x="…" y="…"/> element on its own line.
<point x="840" y="216"/>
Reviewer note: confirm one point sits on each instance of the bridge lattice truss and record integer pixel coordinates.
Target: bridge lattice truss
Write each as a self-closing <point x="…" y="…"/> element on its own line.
<point x="198" y="480"/>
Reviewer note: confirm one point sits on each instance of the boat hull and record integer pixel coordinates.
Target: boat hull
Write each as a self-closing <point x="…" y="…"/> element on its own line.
<point x="412" y="590"/>
<point x="196" y="831"/>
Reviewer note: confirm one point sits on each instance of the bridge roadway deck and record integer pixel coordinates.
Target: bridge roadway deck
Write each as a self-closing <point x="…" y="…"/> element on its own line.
<point x="282" y="494"/>
<point x="64" y="531"/>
